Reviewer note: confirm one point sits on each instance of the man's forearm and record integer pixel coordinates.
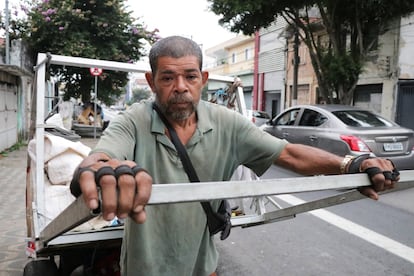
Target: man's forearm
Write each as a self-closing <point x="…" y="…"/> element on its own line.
<point x="308" y="160"/>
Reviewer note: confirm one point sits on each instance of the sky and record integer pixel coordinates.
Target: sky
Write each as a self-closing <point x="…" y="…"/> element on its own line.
<point x="189" y="18"/>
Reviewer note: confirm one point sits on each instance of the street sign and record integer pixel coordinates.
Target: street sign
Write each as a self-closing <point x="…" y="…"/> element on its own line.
<point x="95" y="71"/>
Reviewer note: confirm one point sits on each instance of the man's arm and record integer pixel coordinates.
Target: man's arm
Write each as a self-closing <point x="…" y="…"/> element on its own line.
<point x="308" y="160"/>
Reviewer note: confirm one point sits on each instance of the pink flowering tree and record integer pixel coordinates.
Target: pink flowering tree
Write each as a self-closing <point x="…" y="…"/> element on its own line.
<point x="102" y="29"/>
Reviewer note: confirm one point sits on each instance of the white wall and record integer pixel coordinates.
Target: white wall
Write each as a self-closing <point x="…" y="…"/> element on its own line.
<point x="406" y="58"/>
<point x="8" y="116"/>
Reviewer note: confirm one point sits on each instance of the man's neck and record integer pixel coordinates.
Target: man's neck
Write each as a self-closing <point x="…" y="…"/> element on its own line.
<point x="185" y="128"/>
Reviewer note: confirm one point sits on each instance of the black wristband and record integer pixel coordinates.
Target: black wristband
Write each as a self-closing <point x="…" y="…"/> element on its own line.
<point x="106" y="170"/>
<point x="355" y="164"/>
<point x="74" y="184"/>
<point x="123" y="169"/>
<point x="395" y="172"/>
<point x="373" y="171"/>
<point x="136" y="169"/>
<point x="391" y="175"/>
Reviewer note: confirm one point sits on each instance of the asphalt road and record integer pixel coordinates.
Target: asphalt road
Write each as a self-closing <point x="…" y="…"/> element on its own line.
<point x="363" y="237"/>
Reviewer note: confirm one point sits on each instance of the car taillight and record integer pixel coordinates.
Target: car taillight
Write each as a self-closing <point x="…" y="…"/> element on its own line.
<point x="355" y="143"/>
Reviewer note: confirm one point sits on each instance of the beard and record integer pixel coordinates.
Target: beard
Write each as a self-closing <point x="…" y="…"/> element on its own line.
<point x="178" y="112"/>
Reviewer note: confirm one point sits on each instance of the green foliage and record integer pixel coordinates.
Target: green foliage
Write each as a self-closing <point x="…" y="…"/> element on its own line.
<point x="101" y="29"/>
<point x="139" y="95"/>
<point x="249" y="16"/>
<point x="341" y="71"/>
<point x="15" y="147"/>
<point x="352" y="28"/>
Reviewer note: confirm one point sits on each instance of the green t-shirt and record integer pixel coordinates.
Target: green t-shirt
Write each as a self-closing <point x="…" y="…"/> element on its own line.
<point x="175" y="239"/>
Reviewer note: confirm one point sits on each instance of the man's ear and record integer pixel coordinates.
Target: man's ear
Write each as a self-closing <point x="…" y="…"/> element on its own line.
<point x="204" y="77"/>
<point x="150" y="80"/>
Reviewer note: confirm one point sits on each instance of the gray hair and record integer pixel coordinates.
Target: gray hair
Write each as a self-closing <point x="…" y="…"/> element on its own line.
<point x="176" y="47"/>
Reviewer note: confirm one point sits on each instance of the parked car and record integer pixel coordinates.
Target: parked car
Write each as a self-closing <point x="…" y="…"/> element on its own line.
<point x="343" y="129"/>
<point x="258" y="117"/>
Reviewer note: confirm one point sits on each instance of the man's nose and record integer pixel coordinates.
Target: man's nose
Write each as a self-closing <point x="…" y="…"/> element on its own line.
<point x="181" y="84"/>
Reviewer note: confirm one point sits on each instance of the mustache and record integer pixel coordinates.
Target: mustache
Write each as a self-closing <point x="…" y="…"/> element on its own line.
<point x="180" y="98"/>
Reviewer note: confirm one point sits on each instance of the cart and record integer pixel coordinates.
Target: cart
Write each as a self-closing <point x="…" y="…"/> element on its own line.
<point x="58" y="245"/>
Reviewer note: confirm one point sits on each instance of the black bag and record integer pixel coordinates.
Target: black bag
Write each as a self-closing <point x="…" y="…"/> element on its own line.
<point x="219" y="221"/>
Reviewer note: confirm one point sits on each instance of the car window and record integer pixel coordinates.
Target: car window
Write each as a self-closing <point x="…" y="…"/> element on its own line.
<point x="361" y="118"/>
<point x="312" y="118"/>
<point x="288" y="118"/>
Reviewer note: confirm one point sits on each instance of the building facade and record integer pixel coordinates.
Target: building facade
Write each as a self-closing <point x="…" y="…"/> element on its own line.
<point x="235" y="58"/>
<point x="260" y="62"/>
<point x="386" y="84"/>
<point x="16" y="86"/>
<point x="271" y="65"/>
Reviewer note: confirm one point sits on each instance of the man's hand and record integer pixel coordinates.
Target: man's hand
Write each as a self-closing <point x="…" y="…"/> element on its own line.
<point x="382" y="173"/>
<point x="125" y="188"/>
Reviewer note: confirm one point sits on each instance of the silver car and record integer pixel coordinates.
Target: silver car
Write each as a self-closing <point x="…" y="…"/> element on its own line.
<point x="343" y="129"/>
<point x="258" y="117"/>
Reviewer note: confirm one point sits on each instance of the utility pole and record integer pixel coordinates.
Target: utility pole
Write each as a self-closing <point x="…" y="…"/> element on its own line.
<point x="296" y="60"/>
<point x="6" y="25"/>
<point x="95" y="72"/>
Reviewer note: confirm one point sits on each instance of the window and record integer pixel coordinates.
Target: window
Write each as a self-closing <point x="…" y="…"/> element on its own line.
<point x="233" y="58"/>
<point x="312" y="118"/>
<point x="302" y="52"/>
<point x="288" y="118"/>
<point x="247" y="54"/>
<point x="361" y="118"/>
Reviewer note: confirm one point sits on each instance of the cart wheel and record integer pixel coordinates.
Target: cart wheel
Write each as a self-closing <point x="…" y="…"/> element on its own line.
<point x="40" y="268"/>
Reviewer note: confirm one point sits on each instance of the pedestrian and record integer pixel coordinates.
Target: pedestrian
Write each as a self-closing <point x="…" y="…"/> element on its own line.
<point x="136" y="150"/>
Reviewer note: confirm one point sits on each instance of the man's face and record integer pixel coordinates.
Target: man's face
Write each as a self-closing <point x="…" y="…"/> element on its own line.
<point x="177" y="84"/>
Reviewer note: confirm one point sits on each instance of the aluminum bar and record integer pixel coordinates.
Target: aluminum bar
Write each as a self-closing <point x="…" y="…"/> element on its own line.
<point x="77" y="212"/>
<point x="71" y="217"/>
<point x="139" y="67"/>
<point x="290" y="212"/>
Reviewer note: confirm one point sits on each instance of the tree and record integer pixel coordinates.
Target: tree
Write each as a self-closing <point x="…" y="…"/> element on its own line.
<point x="352" y="28"/>
<point x="139" y="94"/>
<point x="91" y="29"/>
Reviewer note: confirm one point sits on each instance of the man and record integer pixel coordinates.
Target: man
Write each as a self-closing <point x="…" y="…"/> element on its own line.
<point x="174" y="239"/>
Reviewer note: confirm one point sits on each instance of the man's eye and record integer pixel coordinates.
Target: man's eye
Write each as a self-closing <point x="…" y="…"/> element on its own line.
<point x="167" y="78"/>
<point x="191" y="77"/>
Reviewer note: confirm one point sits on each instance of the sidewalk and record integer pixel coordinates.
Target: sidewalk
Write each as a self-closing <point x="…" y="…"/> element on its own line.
<point x="13" y="206"/>
<point x="12" y="217"/>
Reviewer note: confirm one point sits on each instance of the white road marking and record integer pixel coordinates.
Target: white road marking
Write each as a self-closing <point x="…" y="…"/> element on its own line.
<point x="368" y="235"/>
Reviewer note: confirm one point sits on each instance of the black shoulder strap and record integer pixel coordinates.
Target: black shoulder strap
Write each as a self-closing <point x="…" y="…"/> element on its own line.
<point x="182" y="152"/>
<point x="185" y="159"/>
